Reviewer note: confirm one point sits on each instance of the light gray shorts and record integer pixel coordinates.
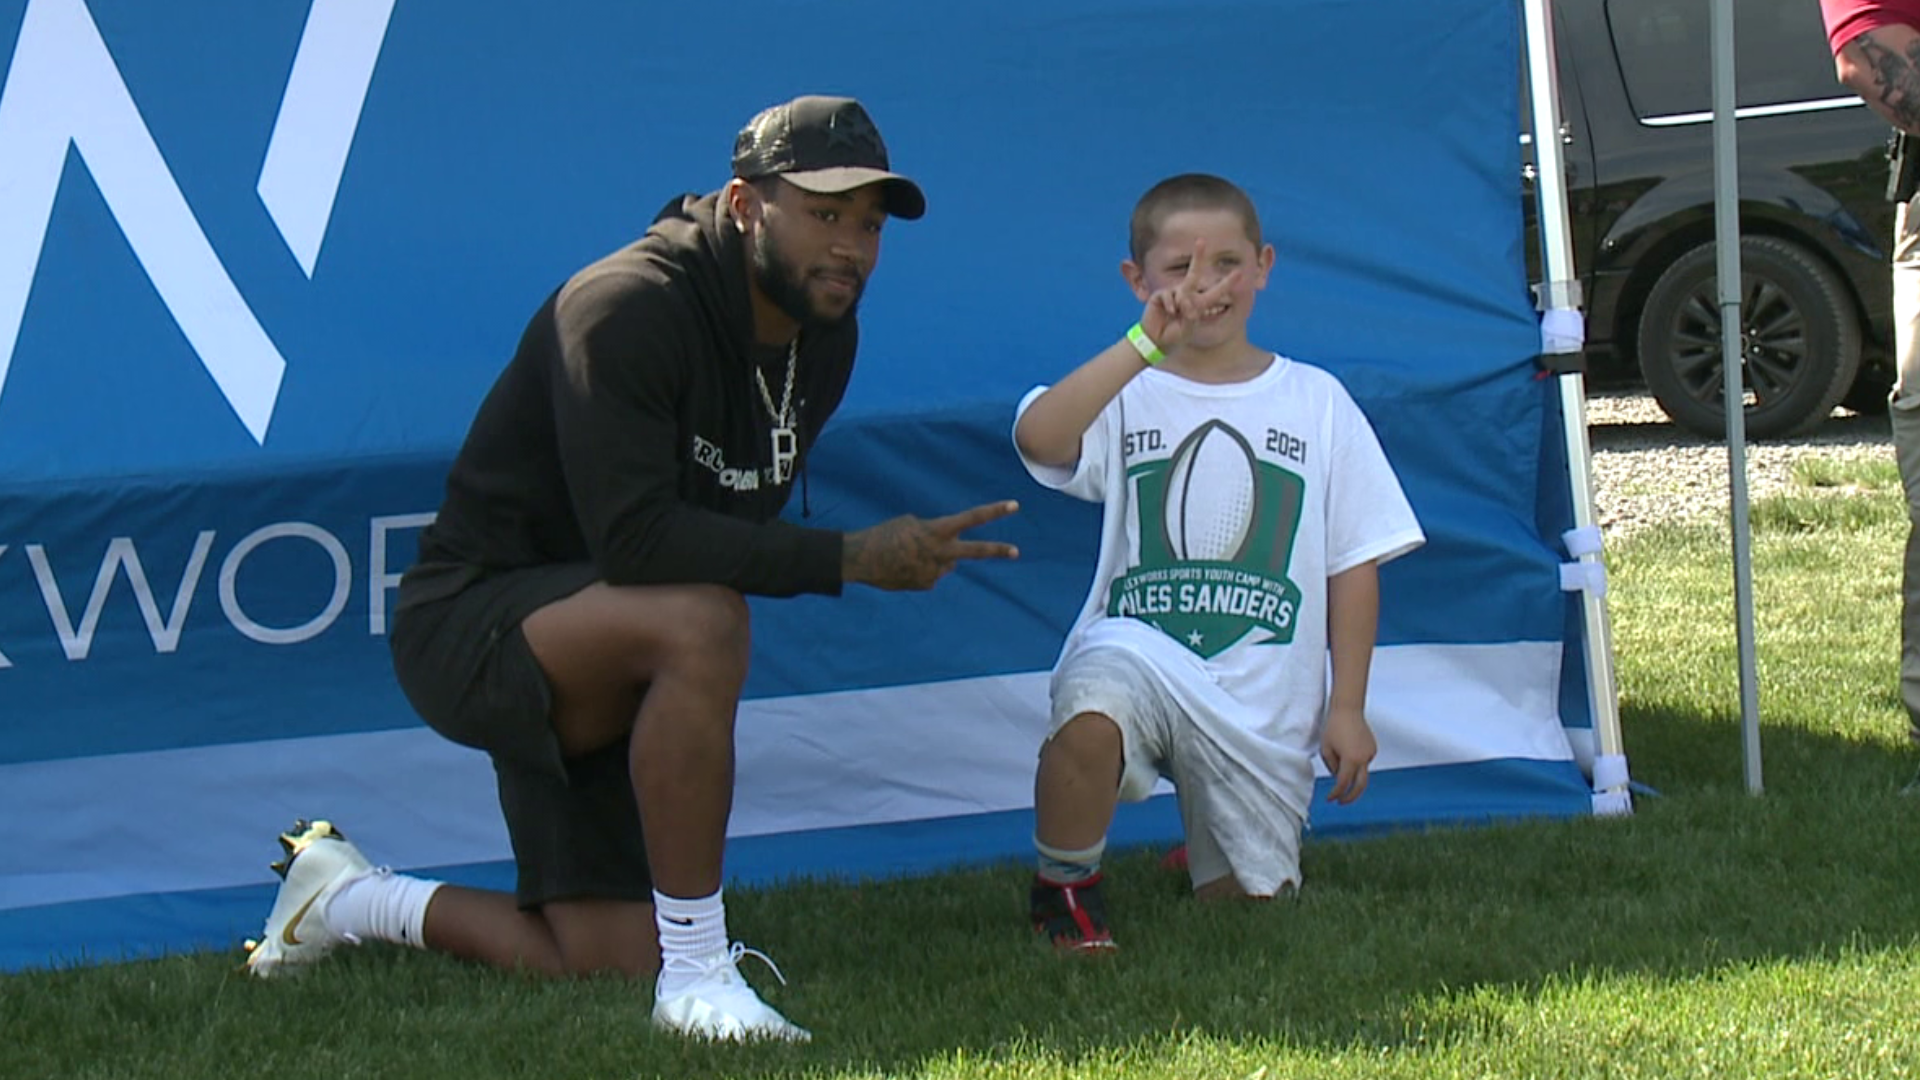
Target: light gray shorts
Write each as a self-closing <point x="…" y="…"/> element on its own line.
<point x="1235" y="822"/>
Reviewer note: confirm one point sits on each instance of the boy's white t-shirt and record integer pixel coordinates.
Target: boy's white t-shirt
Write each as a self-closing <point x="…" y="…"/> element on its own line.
<point x="1227" y="508"/>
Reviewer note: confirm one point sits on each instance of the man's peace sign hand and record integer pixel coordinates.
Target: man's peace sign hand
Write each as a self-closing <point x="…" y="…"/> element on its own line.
<point x="912" y="553"/>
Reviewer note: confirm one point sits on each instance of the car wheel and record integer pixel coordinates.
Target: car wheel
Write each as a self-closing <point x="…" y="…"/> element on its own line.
<point x="1799" y="333"/>
<point x="1868" y="395"/>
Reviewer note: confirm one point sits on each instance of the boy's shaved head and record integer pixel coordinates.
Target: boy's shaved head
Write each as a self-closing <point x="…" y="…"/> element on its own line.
<point x="1188" y="191"/>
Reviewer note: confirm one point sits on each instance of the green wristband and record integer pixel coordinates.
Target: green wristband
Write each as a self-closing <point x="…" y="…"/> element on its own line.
<point x="1144" y="345"/>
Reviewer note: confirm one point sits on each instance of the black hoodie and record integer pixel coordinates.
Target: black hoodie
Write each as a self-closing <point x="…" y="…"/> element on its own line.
<point x="628" y="431"/>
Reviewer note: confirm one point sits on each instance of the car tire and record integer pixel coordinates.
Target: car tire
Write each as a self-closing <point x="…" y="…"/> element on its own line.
<point x="1801" y="335"/>
<point x="1868" y="394"/>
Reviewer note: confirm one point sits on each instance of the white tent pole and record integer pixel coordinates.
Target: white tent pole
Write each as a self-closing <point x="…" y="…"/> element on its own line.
<point x="1726" y="227"/>
<point x="1561" y="294"/>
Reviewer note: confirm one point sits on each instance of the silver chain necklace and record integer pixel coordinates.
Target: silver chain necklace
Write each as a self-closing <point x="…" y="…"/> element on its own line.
<point x="786" y="447"/>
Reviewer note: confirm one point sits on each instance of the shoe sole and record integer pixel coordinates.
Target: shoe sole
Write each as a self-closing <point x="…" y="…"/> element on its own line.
<point x="692" y="1028"/>
<point x="1076" y="947"/>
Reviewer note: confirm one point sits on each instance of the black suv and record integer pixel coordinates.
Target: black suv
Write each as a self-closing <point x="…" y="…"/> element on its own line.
<point x="1636" y="109"/>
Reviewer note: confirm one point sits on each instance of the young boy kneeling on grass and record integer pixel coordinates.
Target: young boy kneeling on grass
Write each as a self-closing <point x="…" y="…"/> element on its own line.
<point x="1247" y="509"/>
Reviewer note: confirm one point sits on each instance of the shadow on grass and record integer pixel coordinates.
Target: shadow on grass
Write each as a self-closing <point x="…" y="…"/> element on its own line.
<point x="1678" y="752"/>
<point x="1842" y="429"/>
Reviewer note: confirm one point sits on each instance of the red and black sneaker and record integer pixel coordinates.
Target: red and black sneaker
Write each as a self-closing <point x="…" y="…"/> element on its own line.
<point x="1073" y="917"/>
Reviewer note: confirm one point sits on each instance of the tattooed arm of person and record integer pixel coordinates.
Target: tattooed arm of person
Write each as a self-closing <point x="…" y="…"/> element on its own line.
<point x="911" y="553"/>
<point x="1883" y="67"/>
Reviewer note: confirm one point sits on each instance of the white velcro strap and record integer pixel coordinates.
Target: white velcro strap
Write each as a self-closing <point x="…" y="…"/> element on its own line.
<point x="1562" y="330"/>
<point x="1582" y="541"/>
<point x="1588" y="577"/>
<point x="1616" y="803"/>
<point x="1610" y="771"/>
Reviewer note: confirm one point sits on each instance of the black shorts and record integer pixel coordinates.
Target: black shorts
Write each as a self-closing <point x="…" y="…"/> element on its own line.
<point x="465" y="664"/>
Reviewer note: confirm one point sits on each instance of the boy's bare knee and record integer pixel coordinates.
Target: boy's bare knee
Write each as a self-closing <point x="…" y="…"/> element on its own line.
<point x="1087" y="732"/>
<point x="1224" y="887"/>
<point x="1228" y="887"/>
<point x="1090" y="741"/>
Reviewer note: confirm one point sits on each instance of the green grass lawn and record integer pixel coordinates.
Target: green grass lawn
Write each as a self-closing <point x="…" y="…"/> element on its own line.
<point x="1711" y="934"/>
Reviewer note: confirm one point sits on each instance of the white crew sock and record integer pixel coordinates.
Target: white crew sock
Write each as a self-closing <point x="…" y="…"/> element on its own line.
<point x="382" y="906"/>
<point x="692" y="932"/>
<point x="1063" y="867"/>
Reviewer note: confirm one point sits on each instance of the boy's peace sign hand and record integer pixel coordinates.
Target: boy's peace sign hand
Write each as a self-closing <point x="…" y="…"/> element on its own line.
<point x="911" y="553"/>
<point x="1171" y="313"/>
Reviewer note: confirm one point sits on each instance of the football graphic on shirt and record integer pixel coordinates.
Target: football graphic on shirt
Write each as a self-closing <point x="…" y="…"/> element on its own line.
<point x="1211" y="481"/>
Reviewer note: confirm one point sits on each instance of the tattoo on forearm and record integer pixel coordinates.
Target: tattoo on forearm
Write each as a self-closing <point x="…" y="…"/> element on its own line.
<point x="860" y="558"/>
<point x="1896" y="79"/>
<point x="893" y="554"/>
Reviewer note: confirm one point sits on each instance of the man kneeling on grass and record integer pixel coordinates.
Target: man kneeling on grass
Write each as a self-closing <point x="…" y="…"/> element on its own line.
<point x="577" y="610"/>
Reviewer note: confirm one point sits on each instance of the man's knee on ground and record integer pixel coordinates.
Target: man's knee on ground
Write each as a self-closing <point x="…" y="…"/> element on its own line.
<point x="599" y="937"/>
<point x="588" y="959"/>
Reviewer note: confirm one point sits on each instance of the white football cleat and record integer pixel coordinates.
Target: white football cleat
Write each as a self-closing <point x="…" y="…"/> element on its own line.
<point x="319" y="863"/>
<point x="721" y="1006"/>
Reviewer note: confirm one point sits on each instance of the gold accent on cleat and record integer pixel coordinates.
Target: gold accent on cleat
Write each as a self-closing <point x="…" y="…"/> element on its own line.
<point x="288" y="933"/>
<point x="302" y="836"/>
<point x="262" y="956"/>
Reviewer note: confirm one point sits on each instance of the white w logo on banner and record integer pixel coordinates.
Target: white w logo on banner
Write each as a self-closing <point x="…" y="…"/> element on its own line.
<point x="64" y="88"/>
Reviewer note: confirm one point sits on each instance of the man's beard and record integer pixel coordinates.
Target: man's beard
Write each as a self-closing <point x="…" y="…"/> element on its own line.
<point x="786" y="286"/>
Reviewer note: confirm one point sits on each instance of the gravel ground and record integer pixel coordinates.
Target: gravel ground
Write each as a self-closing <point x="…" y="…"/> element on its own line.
<point x="1648" y="469"/>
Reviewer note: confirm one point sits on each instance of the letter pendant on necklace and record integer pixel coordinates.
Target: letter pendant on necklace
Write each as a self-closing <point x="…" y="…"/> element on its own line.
<point x="786" y="448"/>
